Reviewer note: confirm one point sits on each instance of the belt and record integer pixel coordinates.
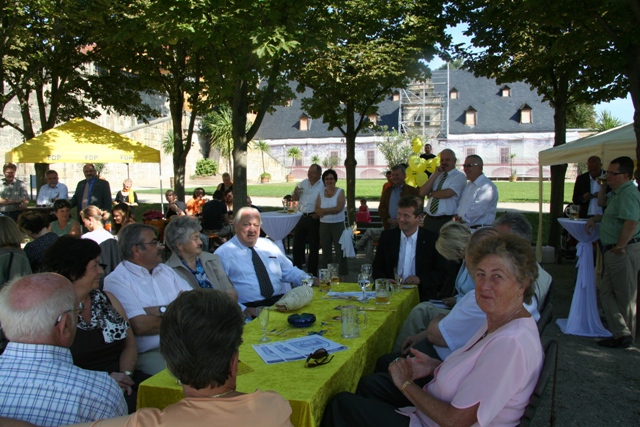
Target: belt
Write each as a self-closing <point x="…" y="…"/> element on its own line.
<point x="308" y="214"/>
<point x="268" y="302"/>
<point x="473" y="227"/>
<point x="440" y="217"/>
<point x="630" y="242"/>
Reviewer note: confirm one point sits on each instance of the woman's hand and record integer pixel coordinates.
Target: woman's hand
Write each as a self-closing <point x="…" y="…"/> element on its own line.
<point x="421" y="364"/>
<point x="124" y="381"/>
<point x="401" y="370"/>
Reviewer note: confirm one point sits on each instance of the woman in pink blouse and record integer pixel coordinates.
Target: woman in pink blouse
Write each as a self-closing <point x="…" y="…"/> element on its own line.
<point x="486" y="382"/>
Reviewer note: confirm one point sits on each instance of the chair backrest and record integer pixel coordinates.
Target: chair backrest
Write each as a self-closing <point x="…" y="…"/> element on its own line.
<point x="111" y="256"/>
<point x="549" y="369"/>
<point x="545" y="317"/>
<point x="13" y="264"/>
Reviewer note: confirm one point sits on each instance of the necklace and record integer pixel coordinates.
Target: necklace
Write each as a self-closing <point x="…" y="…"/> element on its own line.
<point x="503" y="323"/>
<point x="223" y="394"/>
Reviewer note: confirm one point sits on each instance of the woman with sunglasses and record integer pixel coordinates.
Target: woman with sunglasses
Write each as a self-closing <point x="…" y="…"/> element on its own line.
<point x="104" y="340"/>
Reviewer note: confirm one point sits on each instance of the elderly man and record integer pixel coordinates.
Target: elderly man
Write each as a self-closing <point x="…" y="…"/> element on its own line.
<point x="255" y="265"/>
<point x="443" y="188"/>
<point x="52" y="190"/>
<point x="144" y="286"/>
<point x="388" y="207"/>
<point x="92" y="191"/>
<point x="13" y="193"/>
<point x="413" y="249"/>
<point x="586" y="189"/>
<point x="620" y="235"/>
<point x="38" y="380"/>
<point x="479" y="198"/>
<point x="308" y="228"/>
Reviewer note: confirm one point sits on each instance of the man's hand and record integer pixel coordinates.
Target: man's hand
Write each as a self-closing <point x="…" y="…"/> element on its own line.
<point x="251" y="312"/>
<point x="407" y="344"/>
<point x="412" y="280"/>
<point x="124" y="381"/>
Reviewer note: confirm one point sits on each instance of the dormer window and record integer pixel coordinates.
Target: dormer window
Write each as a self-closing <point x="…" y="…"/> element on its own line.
<point x="396" y="95"/>
<point x="526" y="116"/>
<point x="453" y="93"/>
<point x="470" y="116"/>
<point x="373" y="118"/>
<point x="304" y="122"/>
<point x="289" y="103"/>
<point x="505" y="91"/>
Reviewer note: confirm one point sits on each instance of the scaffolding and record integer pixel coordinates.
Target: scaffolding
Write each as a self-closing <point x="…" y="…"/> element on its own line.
<point x="424" y="107"/>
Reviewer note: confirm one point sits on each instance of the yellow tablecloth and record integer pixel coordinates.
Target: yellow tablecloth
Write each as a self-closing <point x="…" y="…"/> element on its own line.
<point x="308" y="390"/>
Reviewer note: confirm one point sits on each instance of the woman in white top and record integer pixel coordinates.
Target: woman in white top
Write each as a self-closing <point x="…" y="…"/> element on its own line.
<point x="92" y="219"/>
<point x="330" y="207"/>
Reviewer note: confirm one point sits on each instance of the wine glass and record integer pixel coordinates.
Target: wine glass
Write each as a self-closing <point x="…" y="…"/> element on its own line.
<point x="307" y="280"/>
<point x="364" y="282"/>
<point x="263" y="317"/>
<point x="366" y="269"/>
<point x="397" y="273"/>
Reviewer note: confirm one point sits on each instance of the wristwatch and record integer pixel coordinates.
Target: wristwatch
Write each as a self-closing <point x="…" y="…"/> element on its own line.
<point x="162" y="309"/>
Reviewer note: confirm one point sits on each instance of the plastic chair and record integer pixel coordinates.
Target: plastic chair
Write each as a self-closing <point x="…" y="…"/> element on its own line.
<point x="550" y="368"/>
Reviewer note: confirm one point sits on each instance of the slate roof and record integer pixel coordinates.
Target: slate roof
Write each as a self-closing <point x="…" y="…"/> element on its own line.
<point x="495" y="113"/>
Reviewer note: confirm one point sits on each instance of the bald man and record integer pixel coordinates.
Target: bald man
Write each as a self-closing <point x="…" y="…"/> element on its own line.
<point x="38" y="380"/>
<point x="585" y="191"/>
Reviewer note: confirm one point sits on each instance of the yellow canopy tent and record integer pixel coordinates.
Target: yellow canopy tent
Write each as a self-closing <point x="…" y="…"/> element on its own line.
<point x="607" y="145"/>
<point x="80" y="141"/>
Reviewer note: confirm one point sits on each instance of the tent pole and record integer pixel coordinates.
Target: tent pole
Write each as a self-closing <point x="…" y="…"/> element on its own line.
<point x="539" y="241"/>
<point x="161" y="195"/>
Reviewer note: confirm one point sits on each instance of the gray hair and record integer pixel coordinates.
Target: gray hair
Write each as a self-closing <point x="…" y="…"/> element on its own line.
<point x="131" y="236"/>
<point x="453" y="240"/>
<point x="400" y="168"/>
<point x="518" y="224"/>
<point x="41" y="298"/>
<point x="179" y="231"/>
<point x="245" y="211"/>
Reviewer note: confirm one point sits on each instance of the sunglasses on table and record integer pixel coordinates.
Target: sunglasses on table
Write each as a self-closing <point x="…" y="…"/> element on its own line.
<point x="317" y="358"/>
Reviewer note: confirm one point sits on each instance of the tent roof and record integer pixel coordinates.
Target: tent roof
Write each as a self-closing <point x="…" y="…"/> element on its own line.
<point x="608" y="145"/>
<point x="80" y="141"/>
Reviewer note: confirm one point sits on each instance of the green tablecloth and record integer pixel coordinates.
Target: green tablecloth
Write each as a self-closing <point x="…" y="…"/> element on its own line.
<point x="307" y="390"/>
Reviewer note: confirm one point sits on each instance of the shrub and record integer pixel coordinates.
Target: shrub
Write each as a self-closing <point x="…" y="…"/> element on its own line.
<point x="206" y="167"/>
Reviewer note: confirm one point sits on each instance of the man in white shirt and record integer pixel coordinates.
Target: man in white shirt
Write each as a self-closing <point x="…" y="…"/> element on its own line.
<point x="308" y="228"/>
<point x="479" y="198"/>
<point x="255" y="265"/>
<point x="443" y="188"/>
<point x="52" y="190"/>
<point x="586" y="189"/>
<point x="145" y="287"/>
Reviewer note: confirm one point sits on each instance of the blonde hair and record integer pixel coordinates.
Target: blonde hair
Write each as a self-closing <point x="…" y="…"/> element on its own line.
<point x="10" y="235"/>
<point x="453" y="240"/>
<point x="92" y="211"/>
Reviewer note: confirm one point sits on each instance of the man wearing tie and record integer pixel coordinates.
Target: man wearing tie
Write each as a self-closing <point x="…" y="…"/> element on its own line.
<point x="443" y="189"/>
<point x="255" y="265"/>
<point x="92" y="191"/>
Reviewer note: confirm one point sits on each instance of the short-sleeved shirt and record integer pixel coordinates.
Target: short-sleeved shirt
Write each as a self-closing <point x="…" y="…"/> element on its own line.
<point x="307" y="200"/>
<point x="456" y="181"/>
<point x="623" y="205"/>
<point x="498" y="371"/>
<point x="16" y="190"/>
<point x="478" y="202"/>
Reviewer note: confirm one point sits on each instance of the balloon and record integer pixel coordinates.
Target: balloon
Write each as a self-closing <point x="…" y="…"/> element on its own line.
<point x="421" y="179"/>
<point x="422" y="166"/>
<point x="432" y="164"/>
<point x="414" y="162"/>
<point x="411" y="181"/>
<point x="416" y="145"/>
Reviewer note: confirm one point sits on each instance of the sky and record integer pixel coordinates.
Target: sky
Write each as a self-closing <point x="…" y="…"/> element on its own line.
<point x="621" y="108"/>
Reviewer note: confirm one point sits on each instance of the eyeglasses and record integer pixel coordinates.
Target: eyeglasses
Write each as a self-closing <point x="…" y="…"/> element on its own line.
<point x="102" y="266"/>
<point x="468" y="165"/>
<point x="154" y="242"/>
<point x="318" y="358"/>
<point x="80" y="308"/>
<point x="614" y="173"/>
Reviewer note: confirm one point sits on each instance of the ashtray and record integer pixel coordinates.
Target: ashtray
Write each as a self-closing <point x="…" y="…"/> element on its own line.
<point x="302" y="320"/>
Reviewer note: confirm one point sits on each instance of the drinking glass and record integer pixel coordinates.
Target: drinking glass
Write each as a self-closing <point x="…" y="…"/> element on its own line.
<point x="364" y="282"/>
<point x="325" y="279"/>
<point x="263" y="317"/>
<point x="397" y="273"/>
<point x="307" y="280"/>
<point x="334" y="271"/>
<point x="366" y="269"/>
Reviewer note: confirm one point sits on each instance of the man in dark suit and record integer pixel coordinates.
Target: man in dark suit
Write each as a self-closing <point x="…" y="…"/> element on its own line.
<point x="92" y="191"/>
<point x="388" y="207"/>
<point x="413" y="249"/>
<point x="585" y="191"/>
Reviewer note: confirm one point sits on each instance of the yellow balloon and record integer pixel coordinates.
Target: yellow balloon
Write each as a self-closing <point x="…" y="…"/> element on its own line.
<point x="416" y="145"/>
<point x="432" y="164"/>
<point x="422" y="166"/>
<point x="414" y="162"/>
<point x="411" y="181"/>
<point x="421" y="179"/>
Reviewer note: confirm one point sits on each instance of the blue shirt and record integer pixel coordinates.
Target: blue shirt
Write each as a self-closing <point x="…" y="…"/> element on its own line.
<point x="40" y="384"/>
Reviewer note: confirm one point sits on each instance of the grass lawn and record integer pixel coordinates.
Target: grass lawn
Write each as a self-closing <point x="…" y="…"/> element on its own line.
<point x="515" y="192"/>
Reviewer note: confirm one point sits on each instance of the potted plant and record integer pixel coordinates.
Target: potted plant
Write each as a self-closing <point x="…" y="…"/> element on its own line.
<point x="295" y="154"/>
<point x="263" y="147"/>
<point x="265" y="177"/>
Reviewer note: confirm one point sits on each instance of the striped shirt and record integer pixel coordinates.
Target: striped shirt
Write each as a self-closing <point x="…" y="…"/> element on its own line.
<point x="16" y="190"/>
<point x="40" y="384"/>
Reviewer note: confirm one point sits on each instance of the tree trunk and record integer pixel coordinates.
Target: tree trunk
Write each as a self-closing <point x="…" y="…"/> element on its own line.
<point x="633" y="74"/>
<point x="176" y="103"/>
<point x="350" y="162"/>
<point x="240" y="143"/>
<point x="558" y="171"/>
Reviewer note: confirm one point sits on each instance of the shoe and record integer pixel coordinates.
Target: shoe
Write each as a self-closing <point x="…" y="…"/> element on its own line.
<point x="623" y="342"/>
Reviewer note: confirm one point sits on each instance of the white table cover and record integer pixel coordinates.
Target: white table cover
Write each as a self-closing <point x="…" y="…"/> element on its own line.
<point x="278" y="225"/>
<point x="583" y="317"/>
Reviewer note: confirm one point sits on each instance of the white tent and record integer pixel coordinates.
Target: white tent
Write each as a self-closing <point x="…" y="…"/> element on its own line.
<point x="607" y="145"/>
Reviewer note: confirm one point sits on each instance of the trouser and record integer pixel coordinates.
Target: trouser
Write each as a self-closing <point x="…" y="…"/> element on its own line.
<point x="330" y="234"/>
<point x="619" y="288"/>
<point x="435" y="223"/>
<point x="151" y="362"/>
<point x="417" y="321"/>
<point x="307" y="230"/>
